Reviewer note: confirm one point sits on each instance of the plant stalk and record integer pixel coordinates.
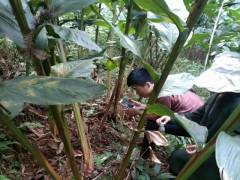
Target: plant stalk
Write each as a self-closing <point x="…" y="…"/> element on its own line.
<point x="192" y="19"/>
<point x="83" y="138"/>
<point x="80" y="48"/>
<point x="97" y="29"/>
<point x="123" y="61"/>
<point x="213" y="33"/>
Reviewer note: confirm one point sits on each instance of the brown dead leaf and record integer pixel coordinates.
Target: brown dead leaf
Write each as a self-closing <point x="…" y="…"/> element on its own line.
<point x="60" y="148"/>
<point x="37" y="176"/>
<point x="154" y="157"/>
<point x="156" y="137"/>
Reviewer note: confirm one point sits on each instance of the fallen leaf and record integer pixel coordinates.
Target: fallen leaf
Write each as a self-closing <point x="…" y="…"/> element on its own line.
<point x="153" y="156"/>
<point x="60" y="148"/>
<point x="156" y="137"/>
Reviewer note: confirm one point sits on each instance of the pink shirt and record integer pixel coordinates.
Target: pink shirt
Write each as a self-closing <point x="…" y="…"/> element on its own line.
<point x="185" y="103"/>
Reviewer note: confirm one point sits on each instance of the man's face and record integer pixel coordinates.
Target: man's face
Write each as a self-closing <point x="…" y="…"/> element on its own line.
<point x="143" y="91"/>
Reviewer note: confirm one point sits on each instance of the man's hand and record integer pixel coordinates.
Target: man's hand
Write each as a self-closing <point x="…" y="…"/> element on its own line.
<point x="138" y="105"/>
<point x="163" y="120"/>
<point x="133" y="112"/>
<point x="191" y="149"/>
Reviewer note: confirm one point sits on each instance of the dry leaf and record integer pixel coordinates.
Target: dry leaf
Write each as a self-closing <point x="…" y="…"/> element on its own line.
<point x="156" y="137"/>
<point x="60" y="148"/>
<point x="154" y="157"/>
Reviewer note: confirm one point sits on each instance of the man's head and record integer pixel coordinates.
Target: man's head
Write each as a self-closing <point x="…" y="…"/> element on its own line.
<point x="140" y="80"/>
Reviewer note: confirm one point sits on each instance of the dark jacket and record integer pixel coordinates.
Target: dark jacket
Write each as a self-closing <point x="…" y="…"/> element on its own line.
<point x="212" y="114"/>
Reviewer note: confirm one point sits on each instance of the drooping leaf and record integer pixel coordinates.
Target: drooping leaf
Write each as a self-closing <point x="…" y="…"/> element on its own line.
<point x="102" y="23"/>
<point x="73" y="69"/>
<point x="161" y="8"/>
<point x="211" y="8"/>
<point x="227" y="156"/>
<point x="79" y="37"/>
<point x="167" y="33"/>
<point x="177" y="84"/>
<point x="197" y="38"/>
<point x="155" y="76"/>
<point x="66" y="6"/>
<point x="14" y="107"/>
<point x="156" y="137"/>
<point x="49" y="90"/>
<point x="197" y="132"/>
<point x="153" y="156"/>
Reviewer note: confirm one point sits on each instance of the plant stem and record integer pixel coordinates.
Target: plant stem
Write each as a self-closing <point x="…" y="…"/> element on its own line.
<point x="85" y="146"/>
<point x="198" y="7"/>
<point x="232" y="123"/>
<point x="123" y="61"/>
<point x="114" y="5"/>
<point x="64" y="134"/>
<point x="97" y="29"/>
<point x="24" y="141"/>
<point x="80" y="48"/>
<point x="213" y="32"/>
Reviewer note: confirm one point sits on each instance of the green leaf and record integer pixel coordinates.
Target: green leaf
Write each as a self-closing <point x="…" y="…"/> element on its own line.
<point x="42" y="40"/>
<point x="165" y="176"/>
<point x="197" y="38"/>
<point x="102" y="23"/>
<point x="157" y="169"/>
<point x="4" y="145"/>
<point x="14" y="107"/>
<point x="211" y="8"/>
<point x="73" y="69"/>
<point x="160" y="8"/>
<point x="122" y="27"/>
<point x="143" y="176"/>
<point x="155" y="76"/>
<point x="197" y="132"/>
<point x="177" y="84"/>
<point x="79" y="37"/>
<point x="2" y="177"/>
<point x="66" y="6"/>
<point x="49" y="90"/>
<point x="134" y="174"/>
<point x="2" y="136"/>
<point x="111" y="64"/>
<point x="167" y="33"/>
<point x="30" y="125"/>
<point x="226" y="38"/>
<point x="140" y="167"/>
<point x="227" y="155"/>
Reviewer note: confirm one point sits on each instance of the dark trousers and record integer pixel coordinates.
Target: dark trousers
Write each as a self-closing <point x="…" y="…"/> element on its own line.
<point x="178" y="159"/>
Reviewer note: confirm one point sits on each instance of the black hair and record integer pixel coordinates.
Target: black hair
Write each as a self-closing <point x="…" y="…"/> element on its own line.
<point x="139" y="76"/>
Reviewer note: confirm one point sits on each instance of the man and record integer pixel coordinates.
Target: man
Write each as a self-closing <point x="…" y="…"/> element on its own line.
<point x="141" y="81"/>
<point x="223" y="78"/>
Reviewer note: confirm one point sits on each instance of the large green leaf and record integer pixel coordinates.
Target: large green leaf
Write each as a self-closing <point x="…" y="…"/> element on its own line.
<point x="161" y="8"/>
<point x="227" y="156"/>
<point x="155" y="76"/>
<point x="73" y="69"/>
<point x="49" y="90"/>
<point x="177" y="84"/>
<point x="197" y="38"/>
<point x="79" y="37"/>
<point x="67" y="6"/>
<point x="167" y="33"/>
<point x="42" y="40"/>
<point x="197" y="132"/>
